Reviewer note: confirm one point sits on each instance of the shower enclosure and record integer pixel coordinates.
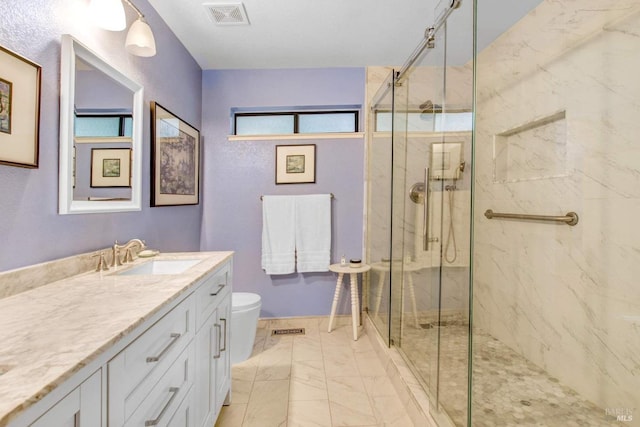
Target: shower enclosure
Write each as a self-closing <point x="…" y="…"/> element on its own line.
<point x="527" y="108"/>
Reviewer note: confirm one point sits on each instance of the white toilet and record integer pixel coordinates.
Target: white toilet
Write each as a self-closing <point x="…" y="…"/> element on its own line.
<point x="245" y="310"/>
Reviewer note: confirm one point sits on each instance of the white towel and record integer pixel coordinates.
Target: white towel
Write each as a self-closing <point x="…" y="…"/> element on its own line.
<point x="313" y="232"/>
<point x="278" y="234"/>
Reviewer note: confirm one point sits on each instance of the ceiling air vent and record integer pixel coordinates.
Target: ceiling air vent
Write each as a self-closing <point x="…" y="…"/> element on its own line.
<point x="227" y="13"/>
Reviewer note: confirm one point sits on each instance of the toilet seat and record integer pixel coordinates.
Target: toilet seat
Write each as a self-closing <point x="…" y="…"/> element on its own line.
<point x="241" y="301"/>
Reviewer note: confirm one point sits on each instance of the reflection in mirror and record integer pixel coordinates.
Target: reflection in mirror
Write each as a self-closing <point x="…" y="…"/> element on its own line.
<point x="100" y="134"/>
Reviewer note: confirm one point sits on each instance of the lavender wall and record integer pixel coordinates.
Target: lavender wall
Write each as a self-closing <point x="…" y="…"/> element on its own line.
<point x="31" y="231"/>
<point x="238" y="172"/>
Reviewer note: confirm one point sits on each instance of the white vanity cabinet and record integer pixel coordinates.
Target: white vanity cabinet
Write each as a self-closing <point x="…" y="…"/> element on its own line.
<point x="223" y="362"/>
<point x="149" y="379"/>
<point x="81" y="407"/>
<point x="171" y="370"/>
<point x="177" y="372"/>
<point x="213" y="362"/>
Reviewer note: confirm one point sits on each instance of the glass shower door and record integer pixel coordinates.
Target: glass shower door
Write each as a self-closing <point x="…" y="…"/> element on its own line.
<point x="378" y="246"/>
<point x="431" y="219"/>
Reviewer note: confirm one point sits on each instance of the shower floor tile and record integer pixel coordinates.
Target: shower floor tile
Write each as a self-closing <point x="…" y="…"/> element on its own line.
<point x="508" y="390"/>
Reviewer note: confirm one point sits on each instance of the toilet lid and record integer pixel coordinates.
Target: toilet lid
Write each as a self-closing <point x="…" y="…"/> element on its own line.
<point x="244" y="301"/>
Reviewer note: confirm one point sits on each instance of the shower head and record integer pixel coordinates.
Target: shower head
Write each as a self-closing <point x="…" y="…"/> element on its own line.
<point x="428" y="107"/>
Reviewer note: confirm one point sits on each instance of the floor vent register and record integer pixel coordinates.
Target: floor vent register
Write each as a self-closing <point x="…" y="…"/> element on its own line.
<point x="290" y="331"/>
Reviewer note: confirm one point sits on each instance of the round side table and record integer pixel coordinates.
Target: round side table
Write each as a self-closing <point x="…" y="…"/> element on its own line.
<point x="355" y="301"/>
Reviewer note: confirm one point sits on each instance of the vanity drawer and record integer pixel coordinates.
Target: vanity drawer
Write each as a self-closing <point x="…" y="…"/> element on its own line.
<point x="162" y="399"/>
<point x="210" y="293"/>
<point x="145" y="360"/>
<point x="184" y="414"/>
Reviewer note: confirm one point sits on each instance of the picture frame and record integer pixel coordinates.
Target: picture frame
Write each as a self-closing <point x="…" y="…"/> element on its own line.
<point x="175" y="159"/>
<point x="110" y="167"/>
<point x="296" y="164"/>
<point x="20" y="81"/>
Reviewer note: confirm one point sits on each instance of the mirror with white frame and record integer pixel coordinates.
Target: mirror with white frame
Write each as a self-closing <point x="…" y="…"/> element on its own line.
<point x="100" y="134"/>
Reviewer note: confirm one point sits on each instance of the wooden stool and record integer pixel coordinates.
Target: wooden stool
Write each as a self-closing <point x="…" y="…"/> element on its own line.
<point x="355" y="300"/>
<point x="382" y="268"/>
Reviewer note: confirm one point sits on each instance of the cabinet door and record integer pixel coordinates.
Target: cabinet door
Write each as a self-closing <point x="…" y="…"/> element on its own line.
<point x="206" y="343"/>
<point x="223" y="363"/>
<point x="65" y="413"/>
<point x="79" y="408"/>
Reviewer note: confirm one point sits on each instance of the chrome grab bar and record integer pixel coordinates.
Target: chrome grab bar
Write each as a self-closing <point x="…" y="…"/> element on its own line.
<point x="174" y="392"/>
<point x="571" y="218"/>
<point x="174" y="339"/>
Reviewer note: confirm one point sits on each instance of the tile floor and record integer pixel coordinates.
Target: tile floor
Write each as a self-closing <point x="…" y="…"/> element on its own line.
<point x="316" y="379"/>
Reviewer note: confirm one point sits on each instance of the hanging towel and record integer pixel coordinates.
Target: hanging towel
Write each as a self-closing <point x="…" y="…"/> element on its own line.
<point x="278" y="234"/>
<point x="313" y="232"/>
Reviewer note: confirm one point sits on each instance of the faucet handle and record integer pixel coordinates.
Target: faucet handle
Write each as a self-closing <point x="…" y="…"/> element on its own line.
<point x="102" y="262"/>
<point x="127" y="256"/>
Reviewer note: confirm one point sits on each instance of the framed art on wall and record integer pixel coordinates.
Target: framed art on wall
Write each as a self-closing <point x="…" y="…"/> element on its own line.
<point x="111" y="167"/>
<point x="19" y="109"/>
<point x="175" y="159"/>
<point x="295" y="164"/>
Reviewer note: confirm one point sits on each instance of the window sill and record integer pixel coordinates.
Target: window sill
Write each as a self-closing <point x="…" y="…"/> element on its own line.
<point x="295" y="136"/>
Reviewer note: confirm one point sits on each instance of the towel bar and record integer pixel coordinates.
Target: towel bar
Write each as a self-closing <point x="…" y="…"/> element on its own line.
<point x="331" y="194"/>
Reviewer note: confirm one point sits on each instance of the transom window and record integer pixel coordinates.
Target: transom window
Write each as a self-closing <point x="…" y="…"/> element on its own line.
<point x="295" y="122"/>
<point x="103" y="125"/>
<point x="452" y="121"/>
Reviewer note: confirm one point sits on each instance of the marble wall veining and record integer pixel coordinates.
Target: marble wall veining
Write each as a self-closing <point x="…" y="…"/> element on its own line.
<point x="567" y="298"/>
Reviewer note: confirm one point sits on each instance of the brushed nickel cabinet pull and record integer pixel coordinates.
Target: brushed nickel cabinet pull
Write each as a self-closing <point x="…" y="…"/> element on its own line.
<point x="220" y="287"/>
<point x="174" y="339"/>
<point x="174" y="392"/>
<point x="217" y="356"/>
<point x="224" y="348"/>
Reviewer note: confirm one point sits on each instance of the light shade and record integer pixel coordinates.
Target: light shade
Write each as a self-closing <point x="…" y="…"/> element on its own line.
<point x="108" y="14"/>
<point x="140" y="41"/>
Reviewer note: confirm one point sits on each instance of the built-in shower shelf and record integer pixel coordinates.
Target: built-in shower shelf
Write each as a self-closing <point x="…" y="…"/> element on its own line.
<point x="536" y="149"/>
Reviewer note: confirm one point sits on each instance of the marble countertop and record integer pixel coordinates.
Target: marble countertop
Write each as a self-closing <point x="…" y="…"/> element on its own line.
<point x="49" y="333"/>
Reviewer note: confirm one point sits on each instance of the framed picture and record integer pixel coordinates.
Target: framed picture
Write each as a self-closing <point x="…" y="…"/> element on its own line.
<point x="295" y="164"/>
<point x="175" y="159"/>
<point x="111" y="167"/>
<point x="19" y="110"/>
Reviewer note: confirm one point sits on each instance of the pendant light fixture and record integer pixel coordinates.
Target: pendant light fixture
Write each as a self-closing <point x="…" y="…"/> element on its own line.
<point x="140" y="40"/>
<point x="109" y="14"/>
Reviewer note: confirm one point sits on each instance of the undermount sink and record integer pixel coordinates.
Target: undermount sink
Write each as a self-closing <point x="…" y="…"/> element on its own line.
<point x="161" y="266"/>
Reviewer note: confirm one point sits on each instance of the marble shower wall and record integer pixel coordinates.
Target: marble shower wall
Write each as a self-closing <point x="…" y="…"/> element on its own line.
<point x="566" y="78"/>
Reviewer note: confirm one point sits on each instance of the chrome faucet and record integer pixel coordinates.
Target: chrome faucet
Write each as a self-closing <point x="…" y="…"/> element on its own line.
<point x="128" y="257"/>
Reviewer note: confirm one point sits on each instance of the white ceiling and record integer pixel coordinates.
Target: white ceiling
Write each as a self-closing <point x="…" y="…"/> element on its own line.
<point x="324" y="33"/>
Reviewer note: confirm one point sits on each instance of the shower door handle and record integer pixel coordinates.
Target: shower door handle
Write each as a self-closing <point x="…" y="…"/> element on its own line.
<point x="425" y="219"/>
